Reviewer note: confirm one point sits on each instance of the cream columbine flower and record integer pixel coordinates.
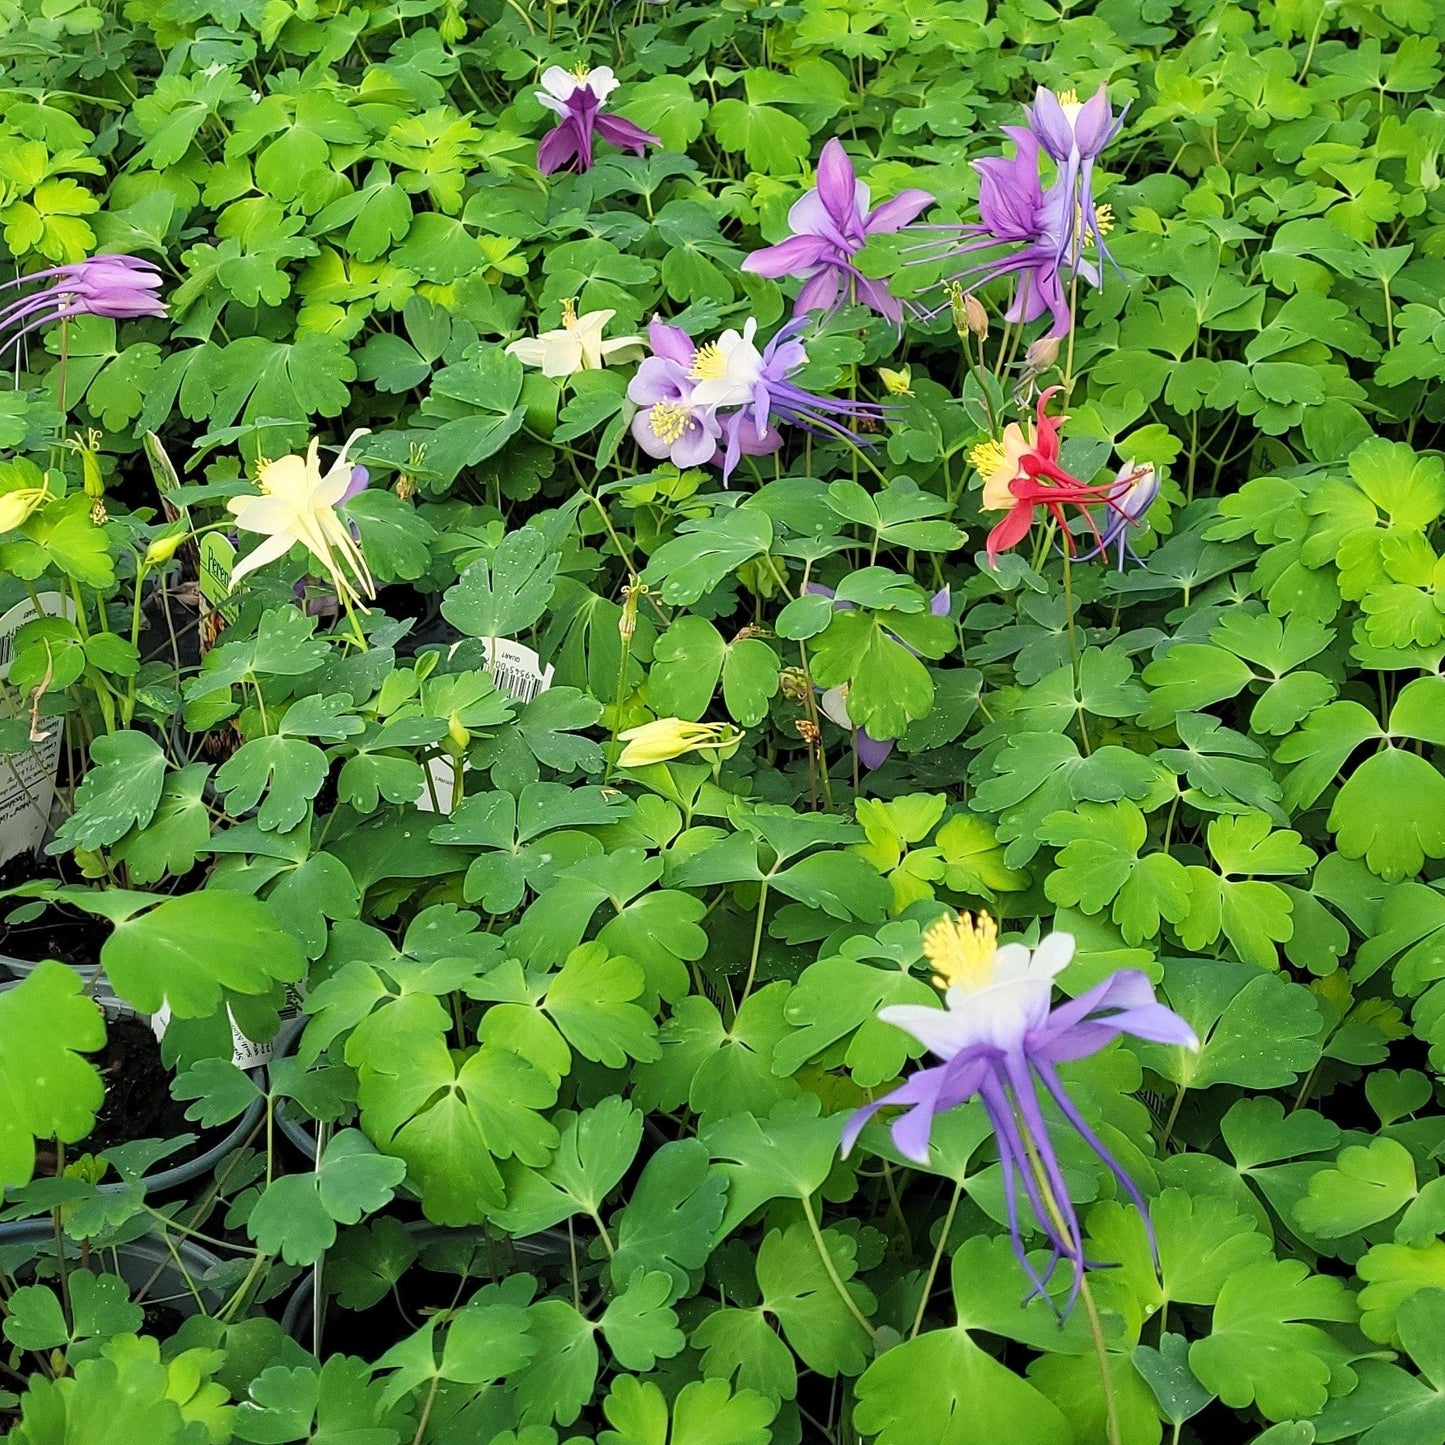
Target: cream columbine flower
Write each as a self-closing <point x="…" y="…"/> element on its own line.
<point x="297" y="504"/>
<point x="998" y="464"/>
<point x="576" y="346"/>
<point x="727" y="370"/>
<point x="671" y="737"/>
<point x="16" y="506"/>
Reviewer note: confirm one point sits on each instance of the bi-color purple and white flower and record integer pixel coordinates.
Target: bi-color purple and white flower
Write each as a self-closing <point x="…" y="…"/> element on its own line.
<point x="1000" y="1039"/>
<point x="671" y="423"/>
<point x="120" y="287"/>
<point x="577" y="96"/>
<point x="829" y="226"/>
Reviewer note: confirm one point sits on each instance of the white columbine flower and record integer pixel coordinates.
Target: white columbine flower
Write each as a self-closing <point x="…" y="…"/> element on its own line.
<point x="297" y="503"/>
<point x="558" y="85"/>
<point x="727" y="370"/>
<point x="576" y="346"/>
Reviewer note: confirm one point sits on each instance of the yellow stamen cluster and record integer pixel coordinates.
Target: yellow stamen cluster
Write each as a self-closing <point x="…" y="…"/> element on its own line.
<point x="668" y="420"/>
<point x="709" y="364"/>
<point x="1069" y="97"/>
<point x="987" y="458"/>
<point x="961" y="950"/>
<point x="1104" y="218"/>
<point x="569" y="313"/>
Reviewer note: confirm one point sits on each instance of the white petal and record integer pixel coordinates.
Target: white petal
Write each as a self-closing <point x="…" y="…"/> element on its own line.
<point x="601" y="82"/>
<point x="834" y="705"/>
<point x="1052" y="956"/>
<point x="564" y="358"/>
<point x="530" y="351"/>
<point x="267" y="515"/>
<point x="268" y="551"/>
<point x="1011" y="962"/>
<point x="558" y="82"/>
<point x="944" y="1031"/>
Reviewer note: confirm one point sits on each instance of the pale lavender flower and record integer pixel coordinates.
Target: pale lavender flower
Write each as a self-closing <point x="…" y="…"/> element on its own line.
<point x="830" y="225"/>
<point x="669" y="424"/>
<point x="1073" y="134"/>
<point x="578" y="97"/>
<point x="999" y="1039"/>
<point x="732" y="373"/>
<point x="120" y="287"/>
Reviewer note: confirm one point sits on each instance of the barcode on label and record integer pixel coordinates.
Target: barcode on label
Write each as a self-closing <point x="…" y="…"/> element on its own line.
<point x="516" y="682"/>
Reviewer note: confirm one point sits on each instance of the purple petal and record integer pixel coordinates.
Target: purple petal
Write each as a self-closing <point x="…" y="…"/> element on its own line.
<point x="941" y="603"/>
<point x="670" y="343"/>
<point x="819" y="294"/>
<point x="872" y="752"/>
<point x="876" y="296"/>
<point x="838" y="188"/>
<point x="794" y="257"/>
<point x="1048" y="121"/>
<point x="1094" y="125"/>
<point x="659" y="378"/>
<point x="895" y="214"/>
<point x="623" y="134"/>
<point x="559" y="146"/>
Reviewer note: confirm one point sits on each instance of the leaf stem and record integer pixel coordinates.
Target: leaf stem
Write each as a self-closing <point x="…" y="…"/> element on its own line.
<point x="833" y="1275"/>
<point x="937" y="1260"/>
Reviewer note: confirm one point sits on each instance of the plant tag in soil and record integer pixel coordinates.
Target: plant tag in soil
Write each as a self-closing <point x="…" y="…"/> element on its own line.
<point x="517" y="671"/>
<point x="245" y="1053"/>
<point x="27" y="779"/>
<point x="218" y="557"/>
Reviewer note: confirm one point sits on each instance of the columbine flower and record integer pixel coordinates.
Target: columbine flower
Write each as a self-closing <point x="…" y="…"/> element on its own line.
<point x="670" y="737"/>
<point x="998" y="1038"/>
<point x="576" y="346"/>
<point x="1022" y="472"/>
<point x="16" y="506"/>
<point x="897" y="383"/>
<point x="297" y="504"/>
<point x="833" y="703"/>
<point x="578" y="96"/>
<point x="1073" y="135"/>
<point x="116" y="286"/>
<point x="1131" y="496"/>
<point x="671" y="423"/>
<point x="830" y="225"/>
<point x="732" y="373"/>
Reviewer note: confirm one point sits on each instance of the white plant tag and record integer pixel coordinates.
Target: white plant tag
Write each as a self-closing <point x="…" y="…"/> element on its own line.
<point x="245" y="1053"/>
<point x="27" y="780"/>
<point x="517" y="671"/>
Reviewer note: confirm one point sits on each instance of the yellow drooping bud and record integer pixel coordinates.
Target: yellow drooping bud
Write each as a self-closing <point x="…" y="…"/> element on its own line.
<point x="897" y="383"/>
<point x="961" y="951"/>
<point x="16" y="506"/>
<point x="671" y="737"/>
<point x="162" y="549"/>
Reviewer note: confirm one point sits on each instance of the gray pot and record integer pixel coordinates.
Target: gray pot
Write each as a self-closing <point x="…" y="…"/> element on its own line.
<point x="178" y="1175"/>
<point x="155" y="1271"/>
<point x="298" y="1318"/>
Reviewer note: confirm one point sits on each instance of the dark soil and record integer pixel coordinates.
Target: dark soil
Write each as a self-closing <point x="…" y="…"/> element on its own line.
<point x="138" y="1102"/>
<point x="64" y="933"/>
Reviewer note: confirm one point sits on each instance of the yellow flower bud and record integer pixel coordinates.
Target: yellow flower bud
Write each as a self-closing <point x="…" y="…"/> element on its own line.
<point x="671" y="737"/>
<point x="458" y="735"/>
<point x="162" y="549"/>
<point x="897" y="383"/>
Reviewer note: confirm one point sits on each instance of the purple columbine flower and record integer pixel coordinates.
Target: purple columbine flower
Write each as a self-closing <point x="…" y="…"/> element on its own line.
<point x="732" y="373"/>
<point x="120" y="287"/>
<point x="1134" y="491"/>
<point x="830" y="225"/>
<point x="833" y="703"/>
<point x="1073" y="134"/>
<point x="669" y="424"/>
<point x="999" y="1038"/>
<point x="578" y="96"/>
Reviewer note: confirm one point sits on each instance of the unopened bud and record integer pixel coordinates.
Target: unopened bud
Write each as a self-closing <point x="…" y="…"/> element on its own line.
<point x="1041" y="355"/>
<point x="163" y="549"/>
<point x="975" y="317"/>
<point x="405" y="487"/>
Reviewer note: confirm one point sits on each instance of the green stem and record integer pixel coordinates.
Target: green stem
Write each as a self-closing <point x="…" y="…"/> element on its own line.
<point x="833" y="1275"/>
<point x="757" y="942"/>
<point x="937" y="1260"/>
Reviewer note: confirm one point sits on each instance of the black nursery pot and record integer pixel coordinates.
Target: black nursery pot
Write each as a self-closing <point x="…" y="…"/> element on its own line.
<point x="160" y="1274"/>
<point x="177" y="1176"/>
